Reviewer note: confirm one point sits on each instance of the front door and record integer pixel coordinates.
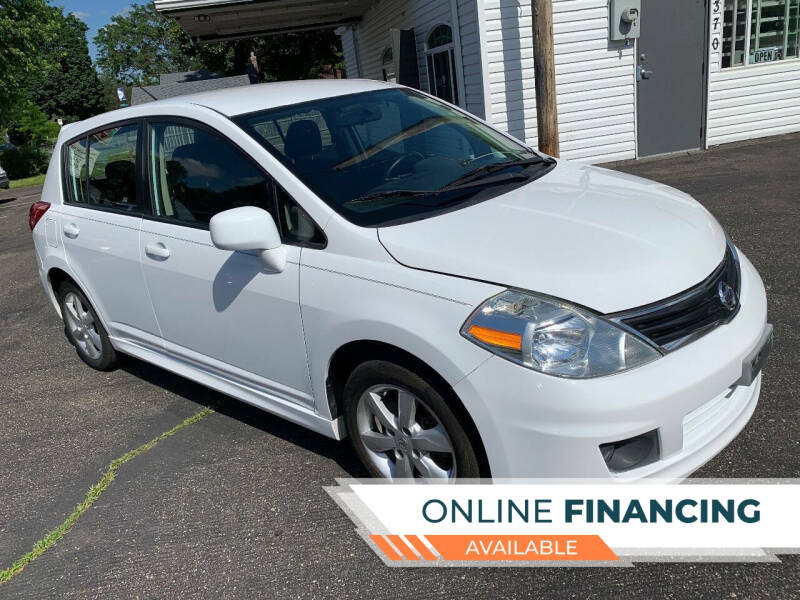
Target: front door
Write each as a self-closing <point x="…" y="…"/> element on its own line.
<point x="218" y="310"/>
<point x="671" y="76"/>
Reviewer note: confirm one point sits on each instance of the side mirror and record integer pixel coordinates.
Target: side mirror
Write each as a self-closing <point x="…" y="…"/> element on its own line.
<point x="249" y="228"/>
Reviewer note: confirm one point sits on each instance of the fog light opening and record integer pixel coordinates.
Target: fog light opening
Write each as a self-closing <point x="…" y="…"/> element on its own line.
<point x="631" y="453"/>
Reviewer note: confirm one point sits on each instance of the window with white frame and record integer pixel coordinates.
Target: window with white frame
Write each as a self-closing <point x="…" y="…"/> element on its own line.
<point x="441" y="60"/>
<point x="387" y="63"/>
<point x="760" y="31"/>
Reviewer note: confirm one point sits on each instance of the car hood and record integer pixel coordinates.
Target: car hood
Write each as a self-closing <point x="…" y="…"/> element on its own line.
<point x="603" y="239"/>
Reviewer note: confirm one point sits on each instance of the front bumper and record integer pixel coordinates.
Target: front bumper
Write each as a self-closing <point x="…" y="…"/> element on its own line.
<point x="536" y="425"/>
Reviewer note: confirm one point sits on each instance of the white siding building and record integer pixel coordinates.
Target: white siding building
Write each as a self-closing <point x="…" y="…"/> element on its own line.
<point x="702" y="72"/>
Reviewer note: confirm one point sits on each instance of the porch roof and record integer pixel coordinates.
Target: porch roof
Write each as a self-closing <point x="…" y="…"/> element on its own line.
<point x="215" y="20"/>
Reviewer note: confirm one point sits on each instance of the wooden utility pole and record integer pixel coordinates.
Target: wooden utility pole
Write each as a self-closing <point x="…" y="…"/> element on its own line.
<point x="545" y="75"/>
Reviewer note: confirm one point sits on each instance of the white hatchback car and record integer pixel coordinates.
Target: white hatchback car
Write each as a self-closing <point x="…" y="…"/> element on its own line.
<point x="365" y="260"/>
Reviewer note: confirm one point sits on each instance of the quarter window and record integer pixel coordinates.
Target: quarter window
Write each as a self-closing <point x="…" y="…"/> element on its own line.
<point x="77" y="170"/>
<point x="195" y="174"/>
<point x="295" y="224"/>
<point x="760" y="31"/>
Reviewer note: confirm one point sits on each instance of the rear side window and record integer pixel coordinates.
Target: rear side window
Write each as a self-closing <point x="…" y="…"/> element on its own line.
<point x="195" y="174"/>
<point x="112" y="167"/>
<point x="101" y="169"/>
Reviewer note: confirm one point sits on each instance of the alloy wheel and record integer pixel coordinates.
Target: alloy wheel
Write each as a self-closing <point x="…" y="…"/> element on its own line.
<point x="82" y="326"/>
<point x="403" y="437"/>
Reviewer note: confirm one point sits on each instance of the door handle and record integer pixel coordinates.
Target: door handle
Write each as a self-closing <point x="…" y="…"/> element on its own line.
<point x="642" y="73"/>
<point x="71" y="230"/>
<point x="157" y="250"/>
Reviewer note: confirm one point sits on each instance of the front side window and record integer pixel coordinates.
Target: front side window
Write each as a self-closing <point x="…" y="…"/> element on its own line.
<point x="760" y="31"/>
<point x="394" y="154"/>
<point x="195" y="174"/>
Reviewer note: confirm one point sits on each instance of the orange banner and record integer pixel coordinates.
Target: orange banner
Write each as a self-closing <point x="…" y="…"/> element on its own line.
<point x="521" y="547"/>
<point x="495" y="547"/>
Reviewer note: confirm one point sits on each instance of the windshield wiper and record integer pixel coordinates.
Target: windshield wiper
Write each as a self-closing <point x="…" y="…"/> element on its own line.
<point x="389" y="194"/>
<point x="484" y="170"/>
<point x="460" y="184"/>
<point x="450" y="187"/>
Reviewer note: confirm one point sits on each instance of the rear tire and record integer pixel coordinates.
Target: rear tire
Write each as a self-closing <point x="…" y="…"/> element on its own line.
<point x="84" y="329"/>
<point x="401" y="426"/>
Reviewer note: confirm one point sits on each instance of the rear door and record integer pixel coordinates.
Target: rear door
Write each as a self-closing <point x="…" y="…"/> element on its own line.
<point x="218" y="310"/>
<point x="671" y="76"/>
<point x="100" y="221"/>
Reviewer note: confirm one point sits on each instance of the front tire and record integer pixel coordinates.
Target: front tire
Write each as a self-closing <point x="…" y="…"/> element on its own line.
<point x="402" y="428"/>
<point x="84" y="329"/>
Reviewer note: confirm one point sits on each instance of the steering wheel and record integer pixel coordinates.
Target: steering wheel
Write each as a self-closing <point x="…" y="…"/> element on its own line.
<point x="390" y="171"/>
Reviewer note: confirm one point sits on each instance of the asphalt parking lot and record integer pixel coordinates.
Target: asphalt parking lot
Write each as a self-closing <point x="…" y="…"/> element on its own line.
<point x="232" y="505"/>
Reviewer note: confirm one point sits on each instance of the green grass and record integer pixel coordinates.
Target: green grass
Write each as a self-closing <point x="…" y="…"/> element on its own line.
<point x="20" y="183"/>
<point x="106" y="480"/>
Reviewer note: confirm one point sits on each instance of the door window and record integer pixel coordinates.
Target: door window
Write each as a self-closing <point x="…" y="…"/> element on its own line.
<point x="112" y="168"/>
<point x="196" y="173"/>
<point x="101" y="169"/>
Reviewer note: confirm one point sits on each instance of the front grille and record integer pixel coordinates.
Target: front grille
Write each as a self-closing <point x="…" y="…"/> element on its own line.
<point x="686" y="316"/>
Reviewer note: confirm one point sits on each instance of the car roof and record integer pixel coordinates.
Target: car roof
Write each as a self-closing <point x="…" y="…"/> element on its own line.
<point x="246" y="99"/>
<point x="237" y="100"/>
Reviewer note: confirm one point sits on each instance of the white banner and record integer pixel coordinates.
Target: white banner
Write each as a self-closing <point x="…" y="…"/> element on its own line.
<point x="698" y="519"/>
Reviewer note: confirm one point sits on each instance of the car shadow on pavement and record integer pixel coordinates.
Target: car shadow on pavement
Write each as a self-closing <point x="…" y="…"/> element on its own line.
<point x="339" y="452"/>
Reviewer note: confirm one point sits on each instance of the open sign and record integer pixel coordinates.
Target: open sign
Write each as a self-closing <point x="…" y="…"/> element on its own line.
<point x="763" y="55"/>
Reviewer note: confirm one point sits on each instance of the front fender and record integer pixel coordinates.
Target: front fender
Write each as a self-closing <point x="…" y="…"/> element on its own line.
<point x="339" y="308"/>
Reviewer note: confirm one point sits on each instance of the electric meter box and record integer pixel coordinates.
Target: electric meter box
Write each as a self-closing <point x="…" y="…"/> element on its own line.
<point x="624" y="17"/>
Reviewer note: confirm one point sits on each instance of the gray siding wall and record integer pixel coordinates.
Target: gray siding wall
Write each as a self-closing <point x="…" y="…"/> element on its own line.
<point x="595" y="79"/>
<point x="372" y="34"/>
<point x="471" y="56"/>
<point x="347" y="35"/>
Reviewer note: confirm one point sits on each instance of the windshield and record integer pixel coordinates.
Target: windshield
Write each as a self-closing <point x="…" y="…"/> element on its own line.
<point x="392" y="155"/>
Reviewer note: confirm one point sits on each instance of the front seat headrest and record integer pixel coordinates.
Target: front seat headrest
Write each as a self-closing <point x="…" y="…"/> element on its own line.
<point x="303" y="139"/>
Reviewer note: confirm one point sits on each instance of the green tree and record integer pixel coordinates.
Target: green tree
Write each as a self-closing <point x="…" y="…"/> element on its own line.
<point x="110" y="85"/>
<point x="31" y="126"/>
<point x="302" y="55"/>
<point x="73" y="91"/>
<point x="138" y="46"/>
<point x="26" y="27"/>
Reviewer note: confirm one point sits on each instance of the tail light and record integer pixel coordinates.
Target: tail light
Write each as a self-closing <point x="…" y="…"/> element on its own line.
<point x="36" y="212"/>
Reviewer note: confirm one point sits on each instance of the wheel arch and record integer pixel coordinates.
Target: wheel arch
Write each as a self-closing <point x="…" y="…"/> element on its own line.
<point x="57" y="276"/>
<point x="348" y="356"/>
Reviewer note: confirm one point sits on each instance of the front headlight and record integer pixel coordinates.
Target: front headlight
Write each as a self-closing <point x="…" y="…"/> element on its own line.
<point x="551" y="337"/>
